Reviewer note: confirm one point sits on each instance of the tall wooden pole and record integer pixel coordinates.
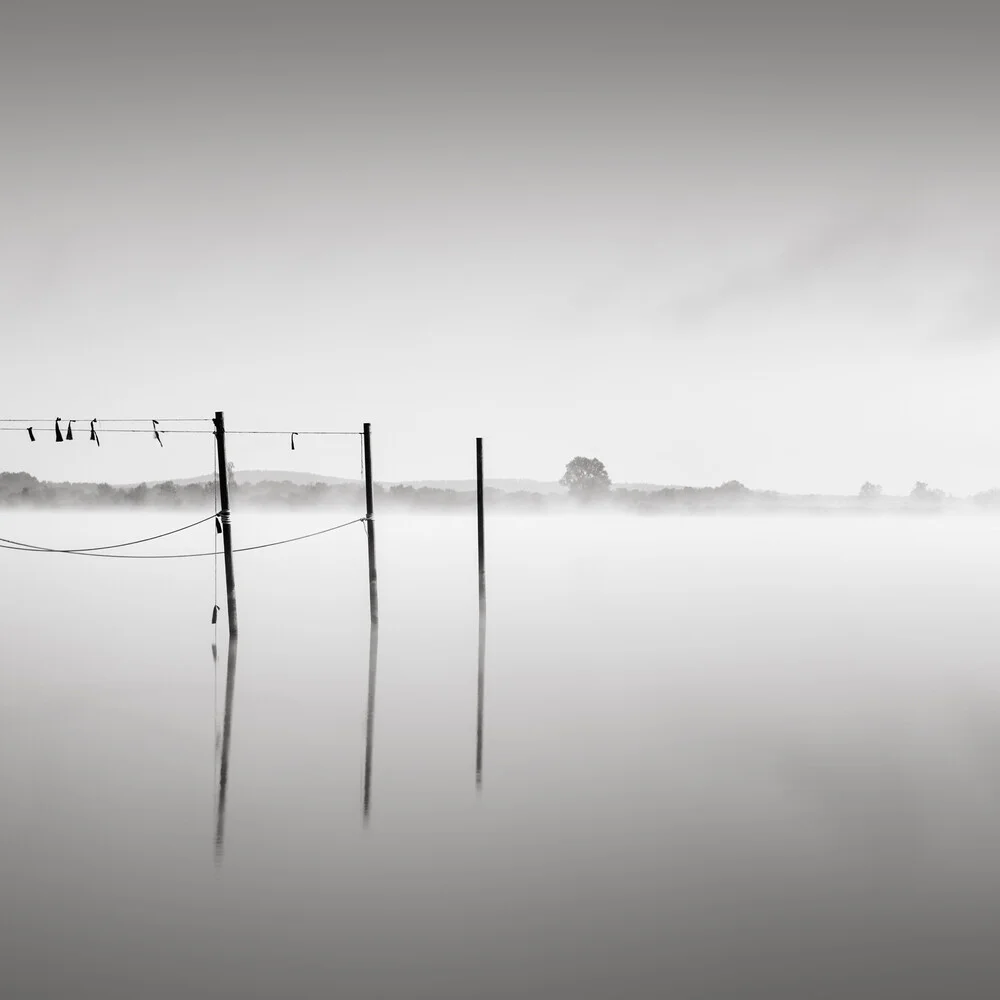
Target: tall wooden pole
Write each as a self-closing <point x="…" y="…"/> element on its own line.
<point x="479" y="516"/>
<point x="227" y="531"/>
<point x="480" y="519"/>
<point x="370" y="524"/>
<point x="227" y="733"/>
<point x="370" y="721"/>
<point x="481" y="699"/>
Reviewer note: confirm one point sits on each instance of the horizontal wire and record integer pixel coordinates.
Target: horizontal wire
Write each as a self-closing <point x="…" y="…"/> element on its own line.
<point x="298" y="433"/>
<point x="100" y="548"/>
<point x="106" y="420"/>
<point x="84" y="433"/>
<point x="184" y="555"/>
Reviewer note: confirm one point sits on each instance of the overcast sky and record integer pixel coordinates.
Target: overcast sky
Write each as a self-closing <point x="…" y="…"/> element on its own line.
<point x="700" y="241"/>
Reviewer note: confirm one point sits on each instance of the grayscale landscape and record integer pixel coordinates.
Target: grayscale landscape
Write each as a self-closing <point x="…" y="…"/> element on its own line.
<point x="499" y="500"/>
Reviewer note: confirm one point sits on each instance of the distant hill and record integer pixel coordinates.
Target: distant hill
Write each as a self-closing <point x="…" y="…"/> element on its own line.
<point x="468" y="485"/>
<point x="253" y="476"/>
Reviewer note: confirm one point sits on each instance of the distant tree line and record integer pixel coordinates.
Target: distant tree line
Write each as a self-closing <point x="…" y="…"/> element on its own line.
<point x="587" y="481"/>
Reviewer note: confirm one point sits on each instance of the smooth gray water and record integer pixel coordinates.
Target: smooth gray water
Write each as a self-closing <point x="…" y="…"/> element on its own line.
<point x="721" y="757"/>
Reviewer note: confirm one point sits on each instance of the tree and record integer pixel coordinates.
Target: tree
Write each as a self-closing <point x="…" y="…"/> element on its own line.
<point x="869" y="491"/>
<point x="167" y="491"/>
<point x="921" y="492"/>
<point x="586" y="478"/>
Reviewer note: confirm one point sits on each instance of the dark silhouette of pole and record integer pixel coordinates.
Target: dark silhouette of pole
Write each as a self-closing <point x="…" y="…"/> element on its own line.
<point x="227" y="532"/>
<point x="481" y="699"/>
<point x="370" y="719"/>
<point x="480" y="519"/>
<point x="227" y="730"/>
<point x="481" y="526"/>
<point x="370" y="524"/>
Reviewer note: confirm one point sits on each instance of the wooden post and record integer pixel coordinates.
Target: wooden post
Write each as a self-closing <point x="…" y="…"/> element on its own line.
<point x="482" y="611"/>
<point x="227" y="533"/>
<point x="481" y="699"/>
<point x="370" y="720"/>
<point x="227" y="733"/>
<point x="370" y="524"/>
<point x="479" y="515"/>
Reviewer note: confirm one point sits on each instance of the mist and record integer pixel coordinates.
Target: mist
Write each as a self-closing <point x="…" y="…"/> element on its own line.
<point x="697" y="697"/>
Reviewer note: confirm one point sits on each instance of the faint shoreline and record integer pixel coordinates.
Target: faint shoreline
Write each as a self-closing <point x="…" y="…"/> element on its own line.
<point x="21" y="490"/>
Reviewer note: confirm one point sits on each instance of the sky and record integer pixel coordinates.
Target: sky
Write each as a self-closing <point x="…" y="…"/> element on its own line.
<point x="699" y="241"/>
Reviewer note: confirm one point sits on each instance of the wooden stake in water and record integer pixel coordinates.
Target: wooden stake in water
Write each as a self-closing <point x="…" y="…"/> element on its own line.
<point x="479" y="516"/>
<point x="370" y="524"/>
<point x="227" y="732"/>
<point x="370" y="720"/>
<point x="480" y="519"/>
<point x="481" y="699"/>
<point x="227" y="533"/>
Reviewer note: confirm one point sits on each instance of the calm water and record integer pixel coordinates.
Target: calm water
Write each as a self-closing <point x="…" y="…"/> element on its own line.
<point x="720" y="758"/>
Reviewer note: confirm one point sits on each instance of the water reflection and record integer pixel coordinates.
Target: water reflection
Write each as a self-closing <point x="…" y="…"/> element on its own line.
<point x="479" y="702"/>
<point x="370" y="720"/>
<point x="227" y="730"/>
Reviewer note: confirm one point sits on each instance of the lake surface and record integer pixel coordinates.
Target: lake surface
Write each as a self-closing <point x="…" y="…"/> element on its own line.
<point x="720" y="757"/>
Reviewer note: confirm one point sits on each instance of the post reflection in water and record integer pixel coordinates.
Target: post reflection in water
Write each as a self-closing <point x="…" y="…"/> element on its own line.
<point x="479" y="703"/>
<point x="370" y="720"/>
<point x="227" y="731"/>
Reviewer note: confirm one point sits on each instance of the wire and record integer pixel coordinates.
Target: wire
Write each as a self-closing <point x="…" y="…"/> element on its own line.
<point x="176" y="430"/>
<point x="177" y="555"/>
<point x="112" y="430"/>
<point x="106" y="420"/>
<point x="299" y="538"/>
<point x="102" y="548"/>
<point x="312" y="433"/>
